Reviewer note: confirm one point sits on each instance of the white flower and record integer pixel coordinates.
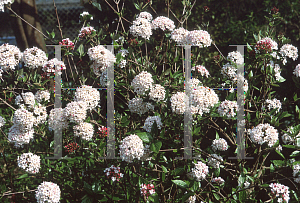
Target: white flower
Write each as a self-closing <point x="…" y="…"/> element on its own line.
<point x="53" y="65"/>
<point x="297" y="71"/>
<point x="10" y="56"/>
<point x="219" y="144"/>
<point x="89" y="95"/>
<point x="228" y="108"/>
<point x="85" y="31"/>
<point x="19" y="137"/>
<point x="199" y="38"/>
<point x="157" y="93"/>
<point x="199" y="172"/>
<point x="28" y="97"/>
<point x="163" y="23"/>
<point x="136" y="105"/>
<point x="131" y="148"/>
<point x="142" y="82"/>
<point x="201" y="69"/>
<point x="145" y="15"/>
<point x="102" y="56"/>
<point x="150" y="121"/>
<point x="218" y="180"/>
<point x="141" y="28"/>
<point x="276" y="69"/>
<point x="34" y="58"/>
<point x="4" y="2"/>
<point x="84" y="130"/>
<point x="113" y="172"/>
<point x="264" y="133"/>
<point x="230" y="71"/>
<point x="85" y="13"/>
<point x="2" y="121"/>
<point x="279" y="190"/>
<point x="236" y="57"/>
<point x="193" y="83"/>
<point x="48" y="192"/>
<point x="29" y="162"/>
<point x="57" y="118"/>
<point x="24" y="119"/>
<point x="274" y="104"/>
<point x="42" y="94"/>
<point x="178" y="103"/>
<point x="76" y="111"/>
<point x="179" y="36"/>
<point x="246" y="184"/>
<point x="290" y="51"/>
<point x="40" y="114"/>
<point x="214" y="162"/>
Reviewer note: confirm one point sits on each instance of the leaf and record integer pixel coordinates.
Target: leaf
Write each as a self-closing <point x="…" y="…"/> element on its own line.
<point x="137" y="6"/>
<point x="23" y="176"/>
<point x="272" y="169"/>
<point x="290" y="146"/>
<point x="164" y="169"/>
<point x="216" y="196"/>
<point x="143" y="136"/>
<point x="155" y="147"/>
<point x="178" y="171"/>
<point x="217" y="136"/>
<point x="97" y="5"/>
<point x="278" y="162"/>
<point x="295" y="195"/>
<point x="186" y="196"/>
<point x="180" y="183"/>
<point x="242" y="196"/>
<point x="154" y="197"/>
<point x="80" y="50"/>
<point x="278" y="152"/>
<point x="295" y="153"/>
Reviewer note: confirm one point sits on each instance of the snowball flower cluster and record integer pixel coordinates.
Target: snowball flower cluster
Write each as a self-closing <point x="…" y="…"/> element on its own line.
<point x="53" y="65"/>
<point x="29" y="162"/>
<point x="150" y="121"/>
<point x="142" y="82"/>
<point x="280" y="191"/>
<point x="211" y="161"/>
<point x="28" y="97"/>
<point x="157" y="93"/>
<point x="18" y="136"/>
<point x="193" y="83"/>
<point x="89" y="95"/>
<point x="84" y="130"/>
<point x="102" y="56"/>
<point x="218" y="180"/>
<point x="57" y="118"/>
<point x="264" y="133"/>
<point x="10" y="56"/>
<point x="290" y="51"/>
<point x="42" y="95"/>
<point x="3" y="2"/>
<point x="136" y="105"/>
<point x="178" y="103"/>
<point x="147" y="190"/>
<point x="34" y="57"/>
<point x="201" y="69"/>
<point x="76" y="111"/>
<point x="145" y="15"/>
<point x="179" y="36"/>
<point x="48" y="192"/>
<point x="199" y="38"/>
<point x="40" y="113"/>
<point x="199" y="172"/>
<point x="230" y="71"/>
<point x="228" y="108"/>
<point x="219" y="144"/>
<point x="2" y="121"/>
<point x="24" y="119"/>
<point x="274" y="104"/>
<point x="131" y="148"/>
<point x="114" y="173"/>
<point x="163" y="23"/>
<point x="235" y="57"/>
<point x="297" y="71"/>
<point x="86" y="31"/>
<point x="141" y="28"/>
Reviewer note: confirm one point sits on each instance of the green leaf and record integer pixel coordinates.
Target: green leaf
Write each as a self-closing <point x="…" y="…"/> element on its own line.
<point x="295" y="195"/>
<point x="272" y="169"/>
<point x="164" y="169"/>
<point x="137" y="6"/>
<point x="278" y="162"/>
<point x="295" y="153"/>
<point x="143" y="136"/>
<point x="154" y="197"/>
<point x="81" y="50"/>
<point x="178" y="171"/>
<point x="97" y="5"/>
<point x="242" y="196"/>
<point x="180" y="183"/>
<point x="278" y="152"/>
<point x="290" y="146"/>
<point x="155" y="147"/>
<point x="186" y="196"/>
<point x="23" y="176"/>
<point x="217" y="136"/>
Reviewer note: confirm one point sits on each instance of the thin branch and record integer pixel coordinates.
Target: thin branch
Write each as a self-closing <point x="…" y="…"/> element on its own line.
<point x="8" y="104"/>
<point x="58" y="20"/>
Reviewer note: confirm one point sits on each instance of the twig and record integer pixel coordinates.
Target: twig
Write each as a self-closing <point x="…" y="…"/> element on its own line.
<point x="58" y="20"/>
<point x="8" y="104"/>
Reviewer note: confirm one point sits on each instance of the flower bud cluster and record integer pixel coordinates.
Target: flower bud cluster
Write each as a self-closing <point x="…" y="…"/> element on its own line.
<point x="67" y="43"/>
<point x="113" y="172"/>
<point x="280" y="191"/>
<point x="71" y="147"/>
<point x="86" y="31"/>
<point x="218" y="180"/>
<point x="147" y="190"/>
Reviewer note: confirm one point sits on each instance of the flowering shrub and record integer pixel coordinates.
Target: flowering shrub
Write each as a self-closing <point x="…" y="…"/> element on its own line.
<point x="176" y="138"/>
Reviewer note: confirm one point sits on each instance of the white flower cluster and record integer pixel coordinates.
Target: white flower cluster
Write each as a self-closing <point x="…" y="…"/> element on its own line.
<point x="191" y="199"/>
<point x="157" y="93"/>
<point x="201" y="69"/>
<point x="179" y="36"/>
<point x="114" y="173"/>
<point x="230" y="71"/>
<point x="228" y="108"/>
<point x="136" y="105"/>
<point x="211" y="161"/>
<point x="57" y="118"/>
<point x="131" y="148"/>
<point x="219" y="144"/>
<point x="34" y="58"/>
<point x="235" y="57"/>
<point x="276" y="69"/>
<point x="193" y="83"/>
<point x="266" y="43"/>
<point x="142" y="82"/>
<point x="296" y="174"/>
<point x="141" y="27"/>
<point x="29" y="162"/>
<point x="2" y="121"/>
<point x="163" y="23"/>
<point x="10" y="56"/>
<point x="3" y="2"/>
<point x="199" y="172"/>
<point x="85" y="31"/>
<point x="84" y="130"/>
<point x="48" y="192"/>
<point x="89" y="95"/>
<point x="102" y="57"/>
<point x="18" y="136"/>
<point x="85" y="13"/>
<point x="297" y="71"/>
<point x="23" y="119"/>
<point x="145" y="15"/>
<point x="103" y="79"/>
<point x="52" y="65"/>
<point x="203" y="98"/>
<point x="178" y="102"/>
<point x="123" y="62"/>
<point x="290" y="51"/>
<point x="199" y="38"/>
<point x="218" y="180"/>
<point x="40" y="113"/>
<point x="280" y="191"/>
<point x="264" y="133"/>
<point x="246" y="184"/>
<point x="76" y="111"/>
<point x="274" y="104"/>
<point x="42" y="95"/>
<point x="28" y="97"/>
<point x="150" y="121"/>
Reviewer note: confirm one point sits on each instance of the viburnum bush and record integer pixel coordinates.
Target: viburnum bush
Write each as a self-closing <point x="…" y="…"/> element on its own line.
<point x="151" y="103"/>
